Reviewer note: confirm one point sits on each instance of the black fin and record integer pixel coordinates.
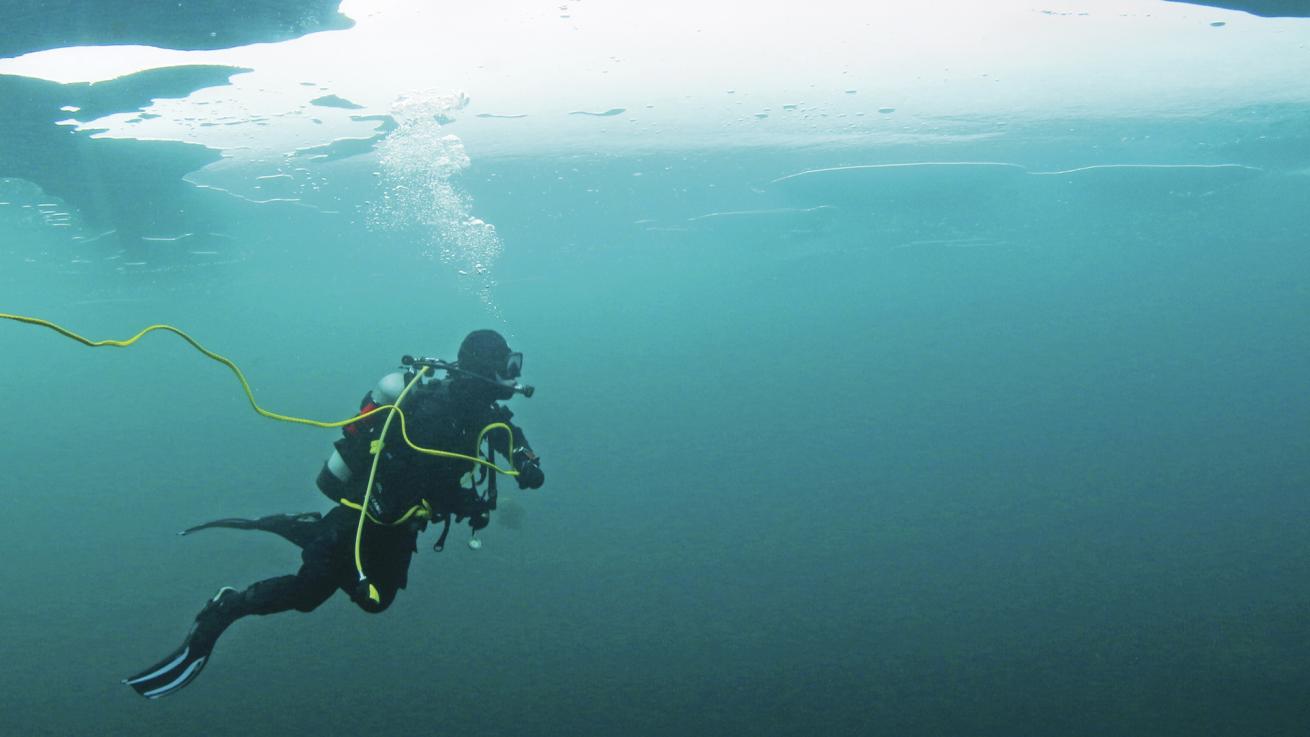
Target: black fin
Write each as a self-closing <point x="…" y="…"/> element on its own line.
<point x="171" y="673"/>
<point x="297" y="528"/>
<point x="185" y="663"/>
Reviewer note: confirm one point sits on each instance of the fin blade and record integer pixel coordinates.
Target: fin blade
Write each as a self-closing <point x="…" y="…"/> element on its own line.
<point x="170" y="674"/>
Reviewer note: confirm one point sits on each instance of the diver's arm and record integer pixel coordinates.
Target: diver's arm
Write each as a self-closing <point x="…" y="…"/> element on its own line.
<point x="521" y="456"/>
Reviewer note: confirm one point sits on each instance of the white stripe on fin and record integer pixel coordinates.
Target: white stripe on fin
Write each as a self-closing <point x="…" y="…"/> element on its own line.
<point x="163" y="669"/>
<point x="181" y="681"/>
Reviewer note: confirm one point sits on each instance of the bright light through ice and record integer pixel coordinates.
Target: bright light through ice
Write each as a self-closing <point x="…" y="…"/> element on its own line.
<point x="691" y="74"/>
<point x="427" y="87"/>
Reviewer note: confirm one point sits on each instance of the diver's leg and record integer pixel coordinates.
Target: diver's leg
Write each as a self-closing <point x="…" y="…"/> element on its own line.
<point x="322" y="564"/>
<point x="304" y="592"/>
<point x="316" y="581"/>
<point x="332" y="554"/>
<point x="182" y="665"/>
<point x="386" y="552"/>
<point x="386" y="595"/>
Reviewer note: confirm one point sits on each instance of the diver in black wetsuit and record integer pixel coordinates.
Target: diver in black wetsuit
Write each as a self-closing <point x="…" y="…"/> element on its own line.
<point x="409" y="490"/>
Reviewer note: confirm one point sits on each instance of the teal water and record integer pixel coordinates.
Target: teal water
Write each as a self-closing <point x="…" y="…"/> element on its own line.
<point x="1014" y="446"/>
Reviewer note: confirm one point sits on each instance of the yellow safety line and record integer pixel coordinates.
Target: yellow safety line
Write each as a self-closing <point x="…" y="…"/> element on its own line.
<point x="245" y="386"/>
<point x="376" y="450"/>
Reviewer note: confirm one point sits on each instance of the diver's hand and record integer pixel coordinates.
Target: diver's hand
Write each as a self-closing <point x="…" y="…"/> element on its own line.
<point x="531" y="476"/>
<point x="529" y="467"/>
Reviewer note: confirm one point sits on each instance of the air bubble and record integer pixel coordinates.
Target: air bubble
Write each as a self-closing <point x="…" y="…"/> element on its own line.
<point x="418" y="161"/>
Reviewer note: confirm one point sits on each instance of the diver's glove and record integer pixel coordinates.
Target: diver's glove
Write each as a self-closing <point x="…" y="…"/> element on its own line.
<point x="529" y="467"/>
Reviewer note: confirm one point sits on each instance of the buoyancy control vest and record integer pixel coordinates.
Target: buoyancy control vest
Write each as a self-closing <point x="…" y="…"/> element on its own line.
<point x="438" y="414"/>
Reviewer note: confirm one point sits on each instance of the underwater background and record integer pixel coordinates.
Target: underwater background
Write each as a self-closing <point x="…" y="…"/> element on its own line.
<point x="899" y="372"/>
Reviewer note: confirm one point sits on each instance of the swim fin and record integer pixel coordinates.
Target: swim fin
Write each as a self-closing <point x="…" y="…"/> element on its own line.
<point x="299" y="529"/>
<point x="184" y="664"/>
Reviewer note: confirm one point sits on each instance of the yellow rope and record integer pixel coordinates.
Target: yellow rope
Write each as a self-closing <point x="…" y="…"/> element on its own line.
<point x="245" y="386"/>
<point x="472" y="459"/>
<point x="376" y="450"/>
<point x="422" y="510"/>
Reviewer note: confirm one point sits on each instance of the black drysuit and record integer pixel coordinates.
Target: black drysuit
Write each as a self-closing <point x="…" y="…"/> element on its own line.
<point x="444" y="415"/>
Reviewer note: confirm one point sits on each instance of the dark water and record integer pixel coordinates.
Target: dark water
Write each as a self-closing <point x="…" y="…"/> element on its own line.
<point x="921" y="450"/>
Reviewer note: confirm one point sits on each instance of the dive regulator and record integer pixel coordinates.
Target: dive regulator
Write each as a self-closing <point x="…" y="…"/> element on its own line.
<point x="412" y="362"/>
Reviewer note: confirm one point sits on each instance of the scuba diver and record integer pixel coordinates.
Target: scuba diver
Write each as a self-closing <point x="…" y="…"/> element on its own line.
<point x="370" y="560"/>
